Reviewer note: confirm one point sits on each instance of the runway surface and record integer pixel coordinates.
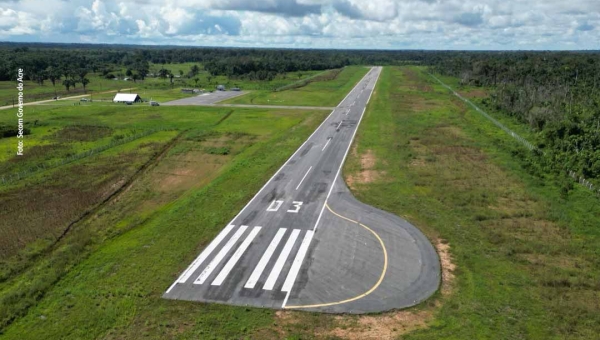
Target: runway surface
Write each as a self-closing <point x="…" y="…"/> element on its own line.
<point x="304" y="242"/>
<point x="206" y="98"/>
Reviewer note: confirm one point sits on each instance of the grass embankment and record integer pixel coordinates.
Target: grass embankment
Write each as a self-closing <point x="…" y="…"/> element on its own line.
<point x="318" y="92"/>
<point x="151" y="87"/>
<point x="106" y="278"/>
<point x="527" y="258"/>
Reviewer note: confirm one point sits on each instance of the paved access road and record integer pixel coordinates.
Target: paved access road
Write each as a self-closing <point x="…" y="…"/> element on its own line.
<point x="206" y="98"/>
<point x="304" y="242"/>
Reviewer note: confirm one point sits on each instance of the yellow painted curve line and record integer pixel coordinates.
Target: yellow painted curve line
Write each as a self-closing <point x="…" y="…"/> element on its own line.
<point x="385" y="263"/>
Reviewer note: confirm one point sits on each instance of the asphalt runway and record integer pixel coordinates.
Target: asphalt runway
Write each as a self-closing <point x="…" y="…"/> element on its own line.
<point x="206" y="98"/>
<point x="304" y="242"/>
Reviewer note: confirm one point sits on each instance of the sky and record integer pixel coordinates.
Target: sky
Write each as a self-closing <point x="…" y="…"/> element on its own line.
<point x="342" y="24"/>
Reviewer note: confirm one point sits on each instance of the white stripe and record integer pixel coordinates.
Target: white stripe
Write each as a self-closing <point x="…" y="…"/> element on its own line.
<point x="302" y="180"/>
<point x="328" y="140"/>
<point x="215" y="262"/>
<point x="260" y="267"/>
<point x="368" y="100"/>
<point x="340" y="124"/>
<point x="235" y="258"/>
<point x="270" y="283"/>
<point x="205" y="253"/>
<point x="333" y="183"/>
<point x="291" y="278"/>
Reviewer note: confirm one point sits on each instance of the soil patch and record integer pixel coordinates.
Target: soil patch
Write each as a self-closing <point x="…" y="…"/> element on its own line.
<point x="367" y="173"/>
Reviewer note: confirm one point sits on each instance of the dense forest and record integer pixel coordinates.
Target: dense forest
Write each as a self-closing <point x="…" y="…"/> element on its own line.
<point x="556" y="93"/>
<point x="43" y="60"/>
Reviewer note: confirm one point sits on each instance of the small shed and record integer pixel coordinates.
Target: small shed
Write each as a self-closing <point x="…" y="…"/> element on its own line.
<point x="127" y="98"/>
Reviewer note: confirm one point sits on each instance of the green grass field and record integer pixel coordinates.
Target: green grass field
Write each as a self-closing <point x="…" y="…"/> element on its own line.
<point x="523" y="260"/>
<point x="216" y="162"/>
<point x="526" y="258"/>
<point x="317" y="93"/>
<point x="159" y="89"/>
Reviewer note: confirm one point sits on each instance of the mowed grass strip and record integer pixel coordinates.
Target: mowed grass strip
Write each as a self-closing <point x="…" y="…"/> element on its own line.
<point x="319" y="92"/>
<point x="113" y="289"/>
<point x="527" y="258"/>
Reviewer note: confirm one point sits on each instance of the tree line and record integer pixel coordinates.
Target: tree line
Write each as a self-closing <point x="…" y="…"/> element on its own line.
<point x="556" y="93"/>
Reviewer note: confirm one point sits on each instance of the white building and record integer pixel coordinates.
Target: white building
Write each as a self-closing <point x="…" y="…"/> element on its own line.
<point x="127" y="98"/>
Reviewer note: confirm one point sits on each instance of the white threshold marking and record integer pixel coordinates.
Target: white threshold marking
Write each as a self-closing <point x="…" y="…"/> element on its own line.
<point x="215" y="262"/>
<point x="302" y="180"/>
<point x="328" y="140"/>
<point x="260" y="267"/>
<point x="235" y="257"/>
<point x="285" y="300"/>
<point x="204" y="254"/>
<point x="270" y="283"/>
<point x="291" y="278"/>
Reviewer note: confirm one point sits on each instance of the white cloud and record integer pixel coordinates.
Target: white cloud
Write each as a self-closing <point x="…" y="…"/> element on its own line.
<point x="441" y="24"/>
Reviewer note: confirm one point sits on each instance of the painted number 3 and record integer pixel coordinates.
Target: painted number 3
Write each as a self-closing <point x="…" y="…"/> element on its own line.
<point x="275" y="205"/>
<point x="297" y="205"/>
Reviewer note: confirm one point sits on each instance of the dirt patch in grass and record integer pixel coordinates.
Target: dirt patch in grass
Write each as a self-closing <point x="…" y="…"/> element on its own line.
<point x="194" y="168"/>
<point x="415" y="82"/>
<point x="367" y="173"/>
<point x="367" y="160"/>
<point x="422" y="105"/>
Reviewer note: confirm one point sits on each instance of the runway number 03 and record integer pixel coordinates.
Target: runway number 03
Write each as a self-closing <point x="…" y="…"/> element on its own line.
<point x="275" y="205"/>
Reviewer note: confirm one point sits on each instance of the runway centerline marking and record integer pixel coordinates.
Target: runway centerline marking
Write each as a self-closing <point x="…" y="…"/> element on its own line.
<point x="377" y="284"/>
<point x="260" y="267"/>
<point x="340" y="124"/>
<point x="302" y="180"/>
<point x="215" y="262"/>
<point x="270" y="283"/>
<point x="328" y="140"/>
<point x="235" y="258"/>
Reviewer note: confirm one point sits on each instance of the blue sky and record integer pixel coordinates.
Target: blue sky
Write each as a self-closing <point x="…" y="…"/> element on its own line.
<point x="373" y="24"/>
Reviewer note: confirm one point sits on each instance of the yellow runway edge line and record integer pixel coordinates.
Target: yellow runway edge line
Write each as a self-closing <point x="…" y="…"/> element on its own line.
<point x="385" y="262"/>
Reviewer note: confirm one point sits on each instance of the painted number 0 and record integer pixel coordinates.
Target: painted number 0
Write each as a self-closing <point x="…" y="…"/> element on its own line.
<point x="275" y="205"/>
<point x="297" y="205"/>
